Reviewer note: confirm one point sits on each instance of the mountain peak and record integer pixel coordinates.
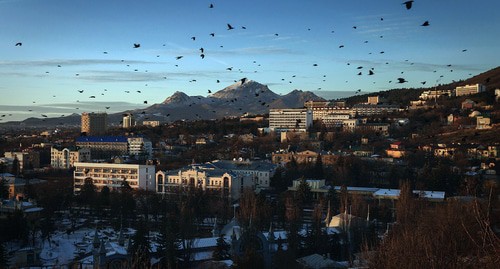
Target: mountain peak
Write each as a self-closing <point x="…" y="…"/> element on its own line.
<point x="177" y="98"/>
<point x="244" y="88"/>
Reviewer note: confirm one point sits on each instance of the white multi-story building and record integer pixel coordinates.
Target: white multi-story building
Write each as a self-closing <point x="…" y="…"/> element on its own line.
<point x="434" y="94"/>
<point x="140" y="146"/>
<point x="151" y="123"/>
<point x="128" y="121"/>
<point x="112" y="175"/>
<point x="64" y="158"/>
<point x="290" y="119"/>
<point x="469" y="89"/>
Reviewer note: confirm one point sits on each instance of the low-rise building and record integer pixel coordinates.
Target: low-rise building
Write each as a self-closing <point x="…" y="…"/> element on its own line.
<point x="151" y="123"/>
<point x="483" y="123"/>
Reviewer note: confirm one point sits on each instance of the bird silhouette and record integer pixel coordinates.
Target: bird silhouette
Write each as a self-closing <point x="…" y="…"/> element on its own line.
<point x="341" y="46"/>
<point x="107" y="107"/>
<point x="202" y="50"/>
<point x="426" y="23"/>
<point x="315" y="64"/>
<point x="243" y="80"/>
<point x="193" y="38"/>
<point x="211" y="6"/>
<point x="137" y="45"/>
<point x="178" y="57"/>
<point x="370" y="72"/>
<point x="202" y="56"/>
<point x="230" y="27"/>
<point x="218" y="81"/>
<point x="80" y="91"/>
<point x="145" y="102"/>
<point x="92" y="96"/>
<point x="19" y="44"/>
<point x="408" y="4"/>
<point x="402" y="80"/>
<point x="212" y="34"/>
<point x="209" y="91"/>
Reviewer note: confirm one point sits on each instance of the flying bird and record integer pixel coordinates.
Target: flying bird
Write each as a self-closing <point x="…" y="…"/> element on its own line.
<point x="211" y="6"/>
<point x="80" y="91"/>
<point x="230" y="27"/>
<point x="243" y="80"/>
<point x="202" y="56"/>
<point x="137" y="45"/>
<point x="212" y="34"/>
<point x="193" y="38"/>
<point x="315" y="64"/>
<point x="107" y="107"/>
<point x="178" y="57"/>
<point x="341" y="46"/>
<point x="408" y="4"/>
<point x="209" y="91"/>
<point x="402" y="80"/>
<point x="145" y="102"/>
<point x="19" y="44"/>
<point x="92" y="96"/>
<point x="426" y="23"/>
<point x="370" y="72"/>
<point x="202" y="50"/>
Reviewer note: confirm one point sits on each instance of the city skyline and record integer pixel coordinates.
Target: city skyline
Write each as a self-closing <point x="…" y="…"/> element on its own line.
<point x="57" y="56"/>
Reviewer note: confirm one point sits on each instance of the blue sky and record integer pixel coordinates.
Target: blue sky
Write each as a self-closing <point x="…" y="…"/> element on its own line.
<point x="76" y="34"/>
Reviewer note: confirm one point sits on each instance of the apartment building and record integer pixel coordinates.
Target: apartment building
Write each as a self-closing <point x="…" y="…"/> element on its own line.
<point x="469" y="89"/>
<point x="65" y="158"/>
<point x="112" y="175"/>
<point x="94" y="123"/>
<point x="290" y="119"/>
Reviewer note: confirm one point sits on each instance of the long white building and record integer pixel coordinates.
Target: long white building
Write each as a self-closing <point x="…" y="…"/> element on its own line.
<point x="469" y="89"/>
<point x="112" y="175"/>
<point x="290" y="119"/>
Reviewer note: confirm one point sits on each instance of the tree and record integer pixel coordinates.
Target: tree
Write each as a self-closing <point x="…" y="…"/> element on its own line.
<point x="88" y="192"/>
<point x="304" y="194"/>
<point x="318" y="168"/>
<point x="139" y="250"/>
<point x="222" y="249"/>
<point x="169" y="244"/>
<point x="4" y="259"/>
<point x="4" y="189"/>
<point x="15" y="166"/>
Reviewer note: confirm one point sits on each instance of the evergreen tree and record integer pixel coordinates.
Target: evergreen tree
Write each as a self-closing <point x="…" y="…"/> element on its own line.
<point x="140" y="249"/>
<point x="4" y="189"/>
<point x="304" y="194"/>
<point x="169" y="244"/>
<point x="318" y="168"/>
<point x="4" y="259"/>
<point x="222" y="249"/>
<point x="15" y="166"/>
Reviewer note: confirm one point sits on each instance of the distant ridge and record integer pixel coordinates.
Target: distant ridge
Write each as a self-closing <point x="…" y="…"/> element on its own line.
<point x="246" y="96"/>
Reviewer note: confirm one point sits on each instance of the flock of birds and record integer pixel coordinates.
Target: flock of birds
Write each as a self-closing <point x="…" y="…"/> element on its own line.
<point x="229" y="27"/>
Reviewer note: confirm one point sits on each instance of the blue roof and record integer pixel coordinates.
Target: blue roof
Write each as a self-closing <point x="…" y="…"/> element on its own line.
<point x="102" y="139"/>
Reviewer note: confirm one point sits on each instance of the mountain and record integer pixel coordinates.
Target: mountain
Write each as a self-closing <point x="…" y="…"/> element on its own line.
<point x="243" y="96"/>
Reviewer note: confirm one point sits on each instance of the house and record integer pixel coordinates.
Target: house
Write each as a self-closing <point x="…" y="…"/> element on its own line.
<point x="396" y="150"/>
<point x="316" y="261"/>
<point x="468" y="104"/>
<point x="483" y="123"/>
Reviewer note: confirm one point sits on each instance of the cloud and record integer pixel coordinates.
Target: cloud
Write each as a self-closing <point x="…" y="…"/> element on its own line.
<point x="73" y="62"/>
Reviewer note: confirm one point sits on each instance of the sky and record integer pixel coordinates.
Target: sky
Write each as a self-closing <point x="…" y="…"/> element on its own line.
<point x="319" y="46"/>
